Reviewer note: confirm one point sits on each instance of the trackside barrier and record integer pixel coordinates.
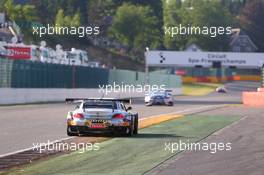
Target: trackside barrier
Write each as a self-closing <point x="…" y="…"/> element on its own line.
<point x="30" y="82"/>
<point x="261" y="90"/>
<point x="212" y="75"/>
<point x="212" y="79"/>
<point x="29" y="95"/>
<point x="255" y="99"/>
<point x="28" y="74"/>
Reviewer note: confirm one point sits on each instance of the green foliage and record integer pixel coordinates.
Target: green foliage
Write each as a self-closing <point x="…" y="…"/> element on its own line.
<point x="2" y="5"/>
<point x="76" y="19"/>
<point x="59" y="20"/>
<point x="139" y="24"/>
<point x="173" y="14"/>
<point x="19" y="12"/>
<point x="100" y="12"/>
<point x="136" y="27"/>
<point x="62" y="20"/>
<point x="233" y="6"/>
<point x="196" y="13"/>
<point x="48" y="9"/>
<point x="211" y="14"/>
<point x="252" y="23"/>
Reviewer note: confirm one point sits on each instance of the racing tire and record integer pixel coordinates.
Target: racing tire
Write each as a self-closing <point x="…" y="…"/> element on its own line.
<point x="148" y="104"/>
<point x="170" y="104"/>
<point x="136" y="125"/>
<point x="69" y="133"/>
<point x="130" y="130"/>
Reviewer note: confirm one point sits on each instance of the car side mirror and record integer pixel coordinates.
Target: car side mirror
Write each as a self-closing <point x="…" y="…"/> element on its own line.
<point x="129" y="108"/>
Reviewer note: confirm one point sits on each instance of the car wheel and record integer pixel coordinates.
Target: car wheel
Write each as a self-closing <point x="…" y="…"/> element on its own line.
<point x="130" y="130"/>
<point x="136" y="125"/>
<point x="170" y="104"/>
<point x="148" y="104"/>
<point x="69" y="133"/>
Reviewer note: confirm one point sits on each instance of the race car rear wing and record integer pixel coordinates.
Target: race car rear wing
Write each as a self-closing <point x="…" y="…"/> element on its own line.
<point x="77" y="100"/>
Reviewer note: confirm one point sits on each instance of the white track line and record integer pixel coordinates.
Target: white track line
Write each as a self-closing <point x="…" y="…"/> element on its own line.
<point x="35" y="147"/>
<point x="229" y="126"/>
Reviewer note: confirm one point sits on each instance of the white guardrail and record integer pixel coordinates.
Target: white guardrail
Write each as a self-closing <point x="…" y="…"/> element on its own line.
<point x="10" y="96"/>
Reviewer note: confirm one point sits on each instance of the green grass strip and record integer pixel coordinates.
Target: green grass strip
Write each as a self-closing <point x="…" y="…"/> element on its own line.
<point x="130" y="155"/>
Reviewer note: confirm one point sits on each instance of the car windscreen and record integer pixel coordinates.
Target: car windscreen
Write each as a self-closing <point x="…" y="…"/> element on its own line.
<point x="168" y="94"/>
<point x="99" y="104"/>
<point x="159" y="93"/>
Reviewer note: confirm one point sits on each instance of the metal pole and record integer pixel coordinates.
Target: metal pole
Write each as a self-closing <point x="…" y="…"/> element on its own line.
<point x="146" y="68"/>
<point x="73" y="75"/>
<point x="146" y="75"/>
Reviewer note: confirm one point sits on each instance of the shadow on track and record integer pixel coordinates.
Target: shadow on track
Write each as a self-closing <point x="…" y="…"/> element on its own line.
<point x="138" y="136"/>
<point x="157" y="135"/>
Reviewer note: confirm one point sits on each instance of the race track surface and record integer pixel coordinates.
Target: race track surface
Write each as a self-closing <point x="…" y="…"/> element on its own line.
<point x="24" y="125"/>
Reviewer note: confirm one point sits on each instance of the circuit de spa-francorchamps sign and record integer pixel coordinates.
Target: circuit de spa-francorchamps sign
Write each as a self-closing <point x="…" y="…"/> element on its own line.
<point x="204" y="59"/>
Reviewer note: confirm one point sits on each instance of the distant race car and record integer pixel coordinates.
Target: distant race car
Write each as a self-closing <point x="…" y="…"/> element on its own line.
<point x="161" y="97"/>
<point x="93" y="115"/>
<point x="221" y="89"/>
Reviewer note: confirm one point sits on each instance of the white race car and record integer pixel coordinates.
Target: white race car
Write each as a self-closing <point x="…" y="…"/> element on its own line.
<point x="221" y="89"/>
<point x="101" y="115"/>
<point x="161" y="97"/>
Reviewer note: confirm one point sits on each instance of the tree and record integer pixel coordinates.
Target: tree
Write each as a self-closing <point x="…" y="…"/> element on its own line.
<point x="100" y="13"/>
<point x="20" y="13"/>
<point x="59" y="20"/>
<point x="136" y="27"/>
<point x="62" y="20"/>
<point x="173" y="15"/>
<point x="198" y="13"/>
<point x="233" y="6"/>
<point x="29" y="12"/>
<point x="251" y="20"/>
<point x="2" y="5"/>
<point x="76" y="19"/>
<point x="47" y="9"/>
<point x="211" y="14"/>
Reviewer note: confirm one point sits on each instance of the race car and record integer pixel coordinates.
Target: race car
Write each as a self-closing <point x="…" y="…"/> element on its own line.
<point x="94" y="115"/>
<point x="221" y="89"/>
<point x="161" y="97"/>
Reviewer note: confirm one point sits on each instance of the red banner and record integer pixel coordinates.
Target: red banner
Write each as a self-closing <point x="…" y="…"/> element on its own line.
<point x="15" y="52"/>
<point x="180" y="72"/>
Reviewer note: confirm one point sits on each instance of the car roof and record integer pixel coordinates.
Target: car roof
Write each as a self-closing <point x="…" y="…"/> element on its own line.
<point x="74" y="100"/>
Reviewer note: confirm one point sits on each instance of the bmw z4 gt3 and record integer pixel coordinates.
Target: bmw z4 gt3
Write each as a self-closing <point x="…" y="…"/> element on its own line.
<point x="101" y="115"/>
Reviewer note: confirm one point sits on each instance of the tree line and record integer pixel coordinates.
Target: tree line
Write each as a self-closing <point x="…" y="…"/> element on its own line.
<point x="138" y="24"/>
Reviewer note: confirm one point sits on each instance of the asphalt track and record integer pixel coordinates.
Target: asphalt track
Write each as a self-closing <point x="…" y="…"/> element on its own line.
<point x="130" y="155"/>
<point x="24" y="125"/>
<point x="245" y="157"/>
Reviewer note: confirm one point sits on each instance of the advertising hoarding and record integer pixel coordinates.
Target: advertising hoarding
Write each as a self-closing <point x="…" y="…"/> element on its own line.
<point x="204" y="59"/>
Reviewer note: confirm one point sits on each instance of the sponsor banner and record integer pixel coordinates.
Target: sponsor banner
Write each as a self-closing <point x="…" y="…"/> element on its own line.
<point x="180" y="72"/>
<point x="204" y="59"/>
<point x="14" y="52"/>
